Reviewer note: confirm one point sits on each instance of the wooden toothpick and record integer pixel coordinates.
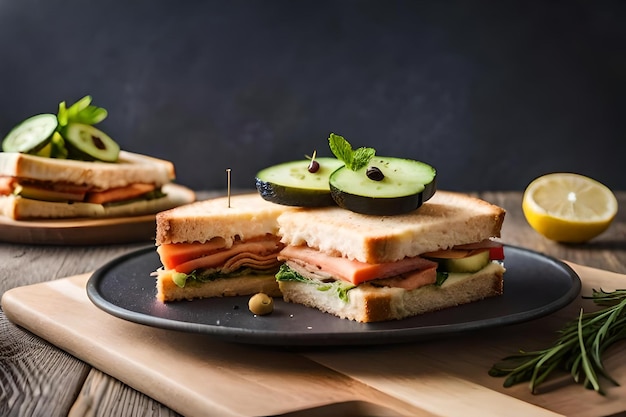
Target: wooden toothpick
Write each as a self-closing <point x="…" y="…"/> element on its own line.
<point x="228" y="185"/>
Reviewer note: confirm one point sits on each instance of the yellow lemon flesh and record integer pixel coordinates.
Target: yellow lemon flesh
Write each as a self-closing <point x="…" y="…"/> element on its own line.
<point x="569" y="208"/>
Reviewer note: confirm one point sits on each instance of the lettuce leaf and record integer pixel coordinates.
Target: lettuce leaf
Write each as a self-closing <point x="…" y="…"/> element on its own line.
<point x="201" y="276"/>
<point x="340" y="288"/>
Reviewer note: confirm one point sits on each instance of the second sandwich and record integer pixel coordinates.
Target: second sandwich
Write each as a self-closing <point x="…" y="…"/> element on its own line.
<point x="376" y="268"/>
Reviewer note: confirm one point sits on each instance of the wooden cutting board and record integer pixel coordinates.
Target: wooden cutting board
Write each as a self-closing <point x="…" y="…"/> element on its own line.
<point x="197" y="376"/>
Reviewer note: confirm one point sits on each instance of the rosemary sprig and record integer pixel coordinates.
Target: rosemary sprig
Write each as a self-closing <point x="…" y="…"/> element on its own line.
<point x="578" y="350"/>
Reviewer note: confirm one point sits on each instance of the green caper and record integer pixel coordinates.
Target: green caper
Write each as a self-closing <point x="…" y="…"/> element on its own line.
<point x="261" y="304"/>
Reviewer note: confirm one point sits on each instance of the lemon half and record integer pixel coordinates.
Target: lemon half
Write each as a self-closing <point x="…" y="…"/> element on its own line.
<point x="569" y="208"/>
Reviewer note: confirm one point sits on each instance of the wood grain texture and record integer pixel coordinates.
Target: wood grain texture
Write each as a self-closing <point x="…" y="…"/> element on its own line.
<point x="607" y="251"/>
<point x="33" y="373"/>
<point x="103" y="396"/>
<point x="50" y="381"/>
<point x="197" y="375"/>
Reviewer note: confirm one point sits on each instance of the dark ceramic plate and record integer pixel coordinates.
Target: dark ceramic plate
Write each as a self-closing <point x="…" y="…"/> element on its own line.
<point x="535" y="285"/>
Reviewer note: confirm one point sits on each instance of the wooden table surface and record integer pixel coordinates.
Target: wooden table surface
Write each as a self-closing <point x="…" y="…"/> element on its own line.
<point x="38" y="379"/>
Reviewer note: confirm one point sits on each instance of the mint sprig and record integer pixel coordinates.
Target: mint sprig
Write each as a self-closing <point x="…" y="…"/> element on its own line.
<point x="81" y="112"/>
<point x="354" y="159"/>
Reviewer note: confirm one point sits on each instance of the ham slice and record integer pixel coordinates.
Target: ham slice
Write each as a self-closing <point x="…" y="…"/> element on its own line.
<point x="251" y="260"/>
<point x="119" y="194"/>
<point x="354" y="271"/>
<point x="177" y="253"/>
<point x="410" y="280"/>
<point x="59" y="191"/>
<point x="185" y="257"/>
<point x="6" y="185"/>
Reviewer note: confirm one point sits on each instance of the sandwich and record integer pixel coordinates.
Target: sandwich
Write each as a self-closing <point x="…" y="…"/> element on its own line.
<point x="225" y="246"/>
<point x="371" y="257"/>
<point x="36" y="187"/>
<point x="59" y="166"/>
<point x="371" y="268"/>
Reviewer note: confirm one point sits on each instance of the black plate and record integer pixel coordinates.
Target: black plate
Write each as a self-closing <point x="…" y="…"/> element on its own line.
<point x="535" y="285"/>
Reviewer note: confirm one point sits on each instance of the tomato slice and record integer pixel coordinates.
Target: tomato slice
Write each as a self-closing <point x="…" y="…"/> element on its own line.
<point x="496" y="253"/>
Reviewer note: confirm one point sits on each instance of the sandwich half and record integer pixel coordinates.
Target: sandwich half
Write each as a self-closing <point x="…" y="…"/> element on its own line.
<point x="224" y="246"/>
<point x="35" y="187"/>
<point x="377" y="268"/>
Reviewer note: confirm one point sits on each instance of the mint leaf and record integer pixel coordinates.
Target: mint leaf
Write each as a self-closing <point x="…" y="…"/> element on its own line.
<point x="91" y="115"/>
<point x="81" y="104"/>
<point x="361" y="158"/>
<point x="342" y="149"/>
<point x="81" y="112"/>
<point x="62" y="114"/>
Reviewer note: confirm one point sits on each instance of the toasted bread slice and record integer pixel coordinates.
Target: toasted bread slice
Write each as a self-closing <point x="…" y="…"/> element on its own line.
<point x="446" y="220"/>
<point x="242" y="216"/>
<point x="131" y="168"/>
<point x="167" y="290"/>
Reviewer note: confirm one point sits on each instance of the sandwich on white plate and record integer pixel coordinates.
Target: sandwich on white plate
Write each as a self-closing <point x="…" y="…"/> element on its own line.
<point x="61" y="167"/>
<point x="225" y="246"/>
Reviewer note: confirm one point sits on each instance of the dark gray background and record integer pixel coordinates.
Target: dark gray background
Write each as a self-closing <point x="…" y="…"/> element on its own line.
<point x="491" y="93"/>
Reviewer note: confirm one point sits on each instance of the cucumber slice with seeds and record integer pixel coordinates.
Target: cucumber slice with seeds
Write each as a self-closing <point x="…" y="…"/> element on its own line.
<point x="32" y="135"/>
<point x="292" y="184"/>
<point x="405" y="185"/>
<point x="89" y="143"/>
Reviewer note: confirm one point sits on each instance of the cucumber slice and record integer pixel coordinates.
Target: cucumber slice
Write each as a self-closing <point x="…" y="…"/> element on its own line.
<point x="32" y="135"/>
<point x="472" y="263"/>
<point x="405" y="185"/>
<point x="89" y="143"/>
<point x="42" y="194"/>
<point x="292" y="184"/>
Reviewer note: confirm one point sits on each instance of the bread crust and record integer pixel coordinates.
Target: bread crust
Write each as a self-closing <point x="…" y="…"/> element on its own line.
<point x="446" y="220"/>
<point x="247" y="216"/>
<point x="368" y="303"/>
<point x="131" y="168"/>
<point x="168" y="291"/>
<point x="449" y="219"/>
